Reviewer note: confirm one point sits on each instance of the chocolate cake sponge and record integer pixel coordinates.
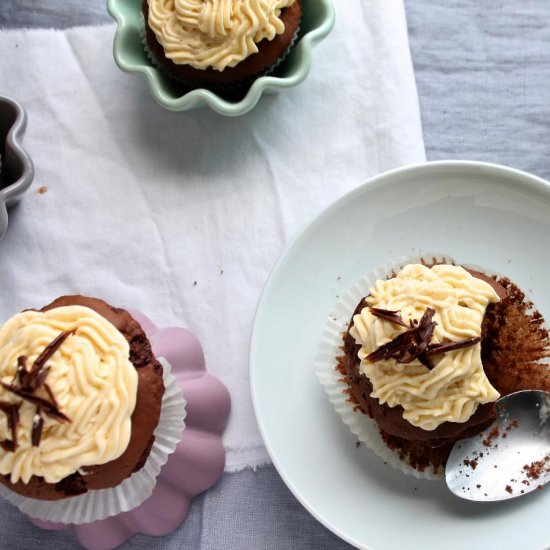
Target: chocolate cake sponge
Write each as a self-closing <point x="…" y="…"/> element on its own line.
<point x="514" y="344"/>
<point x="269" y="52"/>
<point x="144" y="418"/>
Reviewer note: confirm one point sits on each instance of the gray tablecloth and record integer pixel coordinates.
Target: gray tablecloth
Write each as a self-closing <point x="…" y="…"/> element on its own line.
<point x="483" y="75"/>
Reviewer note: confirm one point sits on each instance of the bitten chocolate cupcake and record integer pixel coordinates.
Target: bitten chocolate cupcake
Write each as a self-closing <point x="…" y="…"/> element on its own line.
<point x="219" y="44"/>
<point x="431" y="348"/>
<point x="80" y="398"/>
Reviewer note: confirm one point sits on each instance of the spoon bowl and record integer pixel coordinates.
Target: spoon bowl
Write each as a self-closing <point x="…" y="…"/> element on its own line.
<point x="509" y="459"/>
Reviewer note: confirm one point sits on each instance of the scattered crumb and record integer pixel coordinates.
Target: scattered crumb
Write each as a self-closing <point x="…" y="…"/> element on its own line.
<point x="513" y="424"/>
<point x="358" y="444"/>
<point x="509" y="489"/>
<point x="194" y="283"/>
<point x="221" y="272"/>
<point x="535" y="469"/>
<point x="478" y="486"/>
<point x="471" y="463"/>
<point x="338" y="278"/>
<point x="494" y="433"/>
<point x="42" y="190"/>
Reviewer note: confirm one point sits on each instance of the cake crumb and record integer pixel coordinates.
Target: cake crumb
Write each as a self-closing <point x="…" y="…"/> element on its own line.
<point x="535" y="469"/>
<point x="221" y="271"/>
<point x="42" y="190"/>
<point x="513" y="424"/>
<point x="194" y="283"/>
<point x="494" y="433"/>
<point x="509" y="489"/>
<point x="358" y="444"/>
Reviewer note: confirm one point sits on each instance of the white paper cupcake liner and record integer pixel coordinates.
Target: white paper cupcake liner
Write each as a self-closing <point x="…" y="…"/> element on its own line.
<point x="134" y="490"/>
<point x="360" y="424"/>
<point x="228" y="86"/>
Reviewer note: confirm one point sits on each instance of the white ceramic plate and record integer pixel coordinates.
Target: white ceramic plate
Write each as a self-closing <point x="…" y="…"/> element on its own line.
<point x="478" y="213"/>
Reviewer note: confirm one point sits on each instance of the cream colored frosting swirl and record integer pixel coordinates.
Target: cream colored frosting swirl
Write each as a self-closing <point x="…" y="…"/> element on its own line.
<point x="452" y="390"/>
<point x="92" y="380"/>
<point x="214" y="33"/>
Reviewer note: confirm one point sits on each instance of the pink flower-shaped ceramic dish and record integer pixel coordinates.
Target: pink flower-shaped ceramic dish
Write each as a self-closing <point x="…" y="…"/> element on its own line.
<point x="16" y="167"/>
<point x="198" y="460"/>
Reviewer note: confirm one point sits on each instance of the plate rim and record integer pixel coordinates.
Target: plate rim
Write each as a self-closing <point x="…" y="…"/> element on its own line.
<point x="524" y="178"/>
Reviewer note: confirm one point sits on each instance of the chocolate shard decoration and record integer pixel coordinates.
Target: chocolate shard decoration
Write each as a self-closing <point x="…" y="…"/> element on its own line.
<point x="49" y="408"/>
<point x="8" y="446"/>
<point x="28" y="381"/>
<point x="452" y="346"/>
<point x="49" y="350"/>
<point x="41" y="377"/>
<point x="22" y="373"/>
<point x="51" y="395"/>
<point x="12" y="412"/>
<point x="388" y="315"/>
<point x="414" y="343"/>
<point x="409" y="345"/>
<point x="37" y="426"/>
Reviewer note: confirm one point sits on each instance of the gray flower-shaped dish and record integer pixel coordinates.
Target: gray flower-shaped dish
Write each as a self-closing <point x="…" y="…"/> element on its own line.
<point x="16" y="167"/>
<point x="317" y="21"/>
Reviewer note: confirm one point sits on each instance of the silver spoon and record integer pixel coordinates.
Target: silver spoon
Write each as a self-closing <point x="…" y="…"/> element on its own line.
<point x="509" y="459"/>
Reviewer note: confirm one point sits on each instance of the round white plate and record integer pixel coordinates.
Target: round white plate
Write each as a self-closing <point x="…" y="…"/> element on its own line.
<point x="477" y="213"/>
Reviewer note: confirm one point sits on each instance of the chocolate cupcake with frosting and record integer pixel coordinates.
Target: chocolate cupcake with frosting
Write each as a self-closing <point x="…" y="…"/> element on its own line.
<point x="428" y="350"/>
<point x="223" y="44"/>
<point x="80" y="398"/>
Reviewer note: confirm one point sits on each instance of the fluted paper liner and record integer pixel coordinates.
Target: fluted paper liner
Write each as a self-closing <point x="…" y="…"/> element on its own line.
<point x="97" y="505"/>
<point x="360" y="424"/>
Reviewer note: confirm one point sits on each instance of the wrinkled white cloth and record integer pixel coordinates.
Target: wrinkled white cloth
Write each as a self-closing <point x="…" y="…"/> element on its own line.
<point x="183" y="215"/>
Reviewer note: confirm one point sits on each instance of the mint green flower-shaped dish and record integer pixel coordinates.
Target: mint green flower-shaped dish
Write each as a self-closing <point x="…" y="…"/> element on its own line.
<point x="317" y="21"/>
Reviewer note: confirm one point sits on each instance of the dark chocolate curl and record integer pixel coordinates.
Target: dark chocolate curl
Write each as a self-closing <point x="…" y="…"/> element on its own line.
<point x="49" y="408"/>
<point x="415" y="343"/>
<point x="452" y="346"/>
<point x="37" y="425"/>
<point x="12" y="412"/>
<point x="49" y="350"/>
<point x="388" y="315"/>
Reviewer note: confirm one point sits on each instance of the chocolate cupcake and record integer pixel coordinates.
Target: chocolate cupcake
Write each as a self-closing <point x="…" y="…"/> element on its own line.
<point x="428" y="351"/>
<point x="220" y="44"/>
<point x="81" y="397"/>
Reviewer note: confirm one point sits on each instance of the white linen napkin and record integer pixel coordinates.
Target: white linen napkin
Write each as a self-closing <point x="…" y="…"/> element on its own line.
<point x="182" y="215"/>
